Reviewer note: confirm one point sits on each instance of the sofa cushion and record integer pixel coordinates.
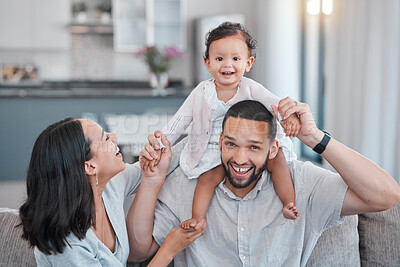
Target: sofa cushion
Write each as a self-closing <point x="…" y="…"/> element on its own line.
<point x="380" y="237"/>
<point x="14" y="251"/>
<point x="337" y="246"/>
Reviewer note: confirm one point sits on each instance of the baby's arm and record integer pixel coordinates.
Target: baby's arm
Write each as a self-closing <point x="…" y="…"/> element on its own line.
<point x="203" y="194"/>
<point x="149" y="156"/>
<point x="283" y="184"/>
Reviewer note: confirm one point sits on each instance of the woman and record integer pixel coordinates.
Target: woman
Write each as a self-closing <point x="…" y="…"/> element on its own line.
<point x="76" y="186"/>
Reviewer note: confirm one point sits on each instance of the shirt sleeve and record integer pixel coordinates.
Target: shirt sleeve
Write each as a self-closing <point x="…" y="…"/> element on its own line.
<point x="176" y="154"/>
<point x="72" y="256"/>
<point x="287" y="146"/>
<point x="182" y="118"/>
<point x="325" y="193"/>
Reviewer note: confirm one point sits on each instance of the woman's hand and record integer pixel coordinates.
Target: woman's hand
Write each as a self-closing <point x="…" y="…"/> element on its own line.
<point x="154" y="172"/>
<point x="151" y="153"/>
<point x="176" y="241"/>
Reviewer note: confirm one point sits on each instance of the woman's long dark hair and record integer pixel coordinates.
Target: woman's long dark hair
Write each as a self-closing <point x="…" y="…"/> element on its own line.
<point x="59" y="196"/>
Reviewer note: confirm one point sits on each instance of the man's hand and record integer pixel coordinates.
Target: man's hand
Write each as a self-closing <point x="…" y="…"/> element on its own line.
<point x="309" y="134"/>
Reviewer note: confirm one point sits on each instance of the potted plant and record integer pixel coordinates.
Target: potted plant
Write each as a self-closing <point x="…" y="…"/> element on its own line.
<point x="158" y="61"/>
<point x="79" y="11"/>
<point x="104" y="9"/>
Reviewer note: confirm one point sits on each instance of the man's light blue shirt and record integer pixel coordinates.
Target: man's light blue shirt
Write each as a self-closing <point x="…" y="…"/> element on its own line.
<point x="252" y="231"/>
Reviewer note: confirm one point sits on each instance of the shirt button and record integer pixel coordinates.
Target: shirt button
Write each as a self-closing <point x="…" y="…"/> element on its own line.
<point x="241" y="229"/>
<point x="244" y="257"/>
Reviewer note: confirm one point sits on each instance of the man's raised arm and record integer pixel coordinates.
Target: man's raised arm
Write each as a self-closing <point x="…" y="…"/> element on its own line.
<point x="371" y="189"/>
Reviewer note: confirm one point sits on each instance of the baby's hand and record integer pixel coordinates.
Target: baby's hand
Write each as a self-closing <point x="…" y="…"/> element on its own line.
<point x="146" y="160"/>
<point x="292" y="125"/>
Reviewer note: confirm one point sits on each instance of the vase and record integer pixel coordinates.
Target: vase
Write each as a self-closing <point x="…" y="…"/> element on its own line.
<point x="159" y="82"/>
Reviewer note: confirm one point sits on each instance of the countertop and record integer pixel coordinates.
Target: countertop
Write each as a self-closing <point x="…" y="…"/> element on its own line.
<point x="93" y="89"/>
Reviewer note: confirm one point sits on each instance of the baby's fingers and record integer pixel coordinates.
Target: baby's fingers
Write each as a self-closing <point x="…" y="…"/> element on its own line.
<point x="144" y="163"/>
<point x="289" y="129"/>
<point x="297" y="130"/>
<point x="151" y="165"/>
<point x="145" y="152"/>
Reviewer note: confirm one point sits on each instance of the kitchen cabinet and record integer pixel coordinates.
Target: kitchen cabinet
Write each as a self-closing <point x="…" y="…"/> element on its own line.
<point x="34" y="24"/>
<point x="138" y="23"/>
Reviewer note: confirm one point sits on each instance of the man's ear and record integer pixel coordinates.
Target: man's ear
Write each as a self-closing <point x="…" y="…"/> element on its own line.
<point x="273" y="150"/>
<point x="207" y="63"/>
<point x="249" y="63"/>
<point x="90" y="168"/>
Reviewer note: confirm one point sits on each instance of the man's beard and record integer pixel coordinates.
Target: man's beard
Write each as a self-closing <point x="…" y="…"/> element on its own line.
<point x="253" y="177"/>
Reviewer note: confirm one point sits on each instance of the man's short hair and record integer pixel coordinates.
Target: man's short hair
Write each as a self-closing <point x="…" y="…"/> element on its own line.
<point x="252" y="110"/>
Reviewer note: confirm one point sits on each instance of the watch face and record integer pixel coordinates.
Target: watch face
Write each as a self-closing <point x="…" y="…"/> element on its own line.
<point x="319" y="148"/>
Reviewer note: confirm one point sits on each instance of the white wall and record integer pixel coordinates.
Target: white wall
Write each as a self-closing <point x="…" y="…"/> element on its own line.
<point x="277" y="64"/>
<point x="28" y="25"/>
<point x="34" y="24"/>
<point x="197" y="9"/>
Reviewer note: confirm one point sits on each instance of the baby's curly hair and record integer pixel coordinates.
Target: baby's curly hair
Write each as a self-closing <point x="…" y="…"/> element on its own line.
<point x="228" y="29"/>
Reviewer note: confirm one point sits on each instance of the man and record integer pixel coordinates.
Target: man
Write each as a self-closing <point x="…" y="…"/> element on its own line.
<point x="245" y="225"/>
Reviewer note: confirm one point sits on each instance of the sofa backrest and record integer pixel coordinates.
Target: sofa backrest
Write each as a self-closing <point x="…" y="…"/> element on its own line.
<point x="371" y="239"/>
<point x="337" y="246"/>
<point x="380" y="237"/>
<point x="14" y="251"/>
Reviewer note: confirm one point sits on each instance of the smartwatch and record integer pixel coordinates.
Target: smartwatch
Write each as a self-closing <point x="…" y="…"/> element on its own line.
<point x="320" y="147"/>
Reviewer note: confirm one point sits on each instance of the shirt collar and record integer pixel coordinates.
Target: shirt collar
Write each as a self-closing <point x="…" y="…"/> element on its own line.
<point x="264" y="181"/>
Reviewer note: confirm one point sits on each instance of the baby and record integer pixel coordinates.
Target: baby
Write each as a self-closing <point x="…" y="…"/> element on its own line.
<point x="229" y="54"/>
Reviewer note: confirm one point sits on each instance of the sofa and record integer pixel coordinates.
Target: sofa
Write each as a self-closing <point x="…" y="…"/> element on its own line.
<point x="371" y="239"/>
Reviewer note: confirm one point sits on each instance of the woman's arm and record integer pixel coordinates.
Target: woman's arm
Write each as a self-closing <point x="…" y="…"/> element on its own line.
<point x="140" y="218"/>
<point x="177" y="240"/>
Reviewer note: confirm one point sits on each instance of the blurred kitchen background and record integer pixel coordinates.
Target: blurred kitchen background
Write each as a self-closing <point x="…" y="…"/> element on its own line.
<point x="79" y="58"/>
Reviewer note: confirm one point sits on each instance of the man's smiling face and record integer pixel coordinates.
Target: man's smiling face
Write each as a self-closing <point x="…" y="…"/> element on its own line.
<point x="245" y="150"/>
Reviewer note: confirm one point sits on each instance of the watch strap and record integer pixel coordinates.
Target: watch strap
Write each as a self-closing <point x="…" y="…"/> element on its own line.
<point x="320" y="147"/>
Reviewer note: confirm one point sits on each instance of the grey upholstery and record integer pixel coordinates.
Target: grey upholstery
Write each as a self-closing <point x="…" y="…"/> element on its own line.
<point x="14" y="251"/>
<point x="380" y="238"/>
<point x="337" y="246"/>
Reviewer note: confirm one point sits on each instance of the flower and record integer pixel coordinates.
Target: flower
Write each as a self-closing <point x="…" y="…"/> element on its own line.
<point x="159" y="59"/>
